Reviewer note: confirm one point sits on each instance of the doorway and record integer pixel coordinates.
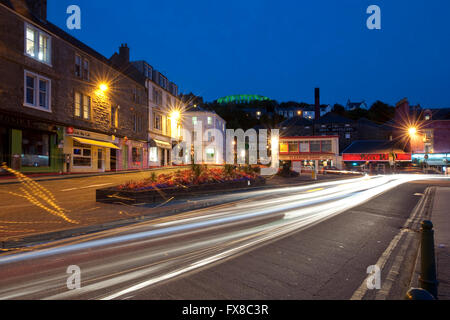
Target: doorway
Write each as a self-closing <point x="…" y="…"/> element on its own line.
<point x="113" y="160"/>
<point x="5" y="146"/>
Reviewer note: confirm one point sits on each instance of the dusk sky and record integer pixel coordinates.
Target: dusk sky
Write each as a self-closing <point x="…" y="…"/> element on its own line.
<point x="280" y="49"/>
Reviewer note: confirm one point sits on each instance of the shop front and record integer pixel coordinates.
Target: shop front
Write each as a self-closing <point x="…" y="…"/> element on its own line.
<point x="438" y="160"/>
<point x="310" y="153"/>
<point x="30" y="146"/>
<point x="86" y="151"/>
<point x="375" y="156"/>
<point x="159" y="151"/>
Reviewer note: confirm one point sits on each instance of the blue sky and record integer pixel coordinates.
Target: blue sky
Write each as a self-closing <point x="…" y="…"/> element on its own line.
<point x="280" y="49"/>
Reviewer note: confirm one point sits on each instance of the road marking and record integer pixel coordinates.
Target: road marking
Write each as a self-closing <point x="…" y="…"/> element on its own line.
<point x="87" y="187"/>
<point x="361" y="291"/>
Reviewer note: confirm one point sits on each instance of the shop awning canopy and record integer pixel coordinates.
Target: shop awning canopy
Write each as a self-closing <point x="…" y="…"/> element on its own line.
<point x="96" y="143"/>
<point x="161" y="144"/>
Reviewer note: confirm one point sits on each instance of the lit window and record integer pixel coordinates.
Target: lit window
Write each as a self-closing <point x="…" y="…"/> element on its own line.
<point x="37" y="91"/>
<point x="77" y="104"/>
<point x="209" y="120"/>
<point x="37" y="44"/>
<point x="194" y="120"/>
<point x="86" y="107"/>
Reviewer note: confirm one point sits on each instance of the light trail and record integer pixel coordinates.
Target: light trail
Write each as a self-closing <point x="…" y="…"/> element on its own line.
<point x="141" y="256"/>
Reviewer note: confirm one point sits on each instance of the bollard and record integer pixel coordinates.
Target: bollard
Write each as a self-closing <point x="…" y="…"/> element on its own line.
<point x="427" y="278"/>
<point x="418" y="294"/>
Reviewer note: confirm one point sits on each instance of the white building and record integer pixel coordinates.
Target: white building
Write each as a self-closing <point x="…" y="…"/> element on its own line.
<point x="213" y="133"/>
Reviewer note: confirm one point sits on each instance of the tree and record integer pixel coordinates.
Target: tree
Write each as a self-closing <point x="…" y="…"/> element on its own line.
<point x="381" y="112"/>
<point x="339" y="109"/>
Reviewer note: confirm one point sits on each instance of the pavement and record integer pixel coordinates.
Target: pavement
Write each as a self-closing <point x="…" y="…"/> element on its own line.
<point x="67" y="206"/>
<point x="294" y="243"/>
<point x="440" y="217"/>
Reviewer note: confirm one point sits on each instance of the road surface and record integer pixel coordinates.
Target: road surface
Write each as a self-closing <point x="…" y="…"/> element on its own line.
<point x="306" y="242"/>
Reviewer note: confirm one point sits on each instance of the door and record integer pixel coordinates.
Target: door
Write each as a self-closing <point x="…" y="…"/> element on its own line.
<point x="113" y="160"/>
<point x="4" y="146"/>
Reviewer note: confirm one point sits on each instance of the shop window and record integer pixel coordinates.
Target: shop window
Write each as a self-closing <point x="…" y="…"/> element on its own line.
<point x="326" y="146"/>
<point x="304" y="146"/>
<point x="153" y="154"/>
<point x="210" y="154"/>
<point x="136" y="154"/>
<point x="284" y="147"/>
<point x="293" y="146"/>
<point x="82" y="155"/>
<point x="35" y="149"/>
<point x="314" y="146"/>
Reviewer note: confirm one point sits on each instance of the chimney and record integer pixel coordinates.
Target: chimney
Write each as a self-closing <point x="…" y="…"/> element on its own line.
<point x="317" y="103"/>
<point x="38" y="8"/>
<point x="124" y="54"/>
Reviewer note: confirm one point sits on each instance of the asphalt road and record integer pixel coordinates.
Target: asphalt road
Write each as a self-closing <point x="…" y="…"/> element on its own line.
<point x="310" y="242"/>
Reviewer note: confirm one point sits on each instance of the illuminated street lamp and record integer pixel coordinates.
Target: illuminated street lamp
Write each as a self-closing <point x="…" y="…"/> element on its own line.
<point x="103" y="87"/>
<point x="412" y="132"/>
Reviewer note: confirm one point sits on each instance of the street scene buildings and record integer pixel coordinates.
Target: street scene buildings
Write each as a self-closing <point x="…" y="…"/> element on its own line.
<point x="118" y="183"/>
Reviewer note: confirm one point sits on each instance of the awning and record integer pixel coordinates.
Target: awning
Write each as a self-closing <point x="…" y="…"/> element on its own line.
<point x="161" y="144"/>
<point x="96" y="143"/>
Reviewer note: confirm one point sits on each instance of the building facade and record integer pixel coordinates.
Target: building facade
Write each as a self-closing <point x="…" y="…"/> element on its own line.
<point x="213" y="134"/>
<point x="63" y="106"/>
<point x="164" y="112"/>
<point x="309" y="151"/>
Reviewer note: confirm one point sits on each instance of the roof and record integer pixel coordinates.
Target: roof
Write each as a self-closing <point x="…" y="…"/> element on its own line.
<point x="296" y="121"/>
<point x="333" y="118"/>
<point x="50" y="27"/>
<point x="373" y="147"/>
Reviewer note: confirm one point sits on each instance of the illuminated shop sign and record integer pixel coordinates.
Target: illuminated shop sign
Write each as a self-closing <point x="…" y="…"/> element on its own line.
<point x="384" y="157"/>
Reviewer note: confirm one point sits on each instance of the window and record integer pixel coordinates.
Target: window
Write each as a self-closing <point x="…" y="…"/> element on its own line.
<point x="82" y="106"/>
<point x="314" y="146"/>
<point x="77" y="104"/>
<point x="194" y="120"/>
<point x="347" y="136"/>
<point x="35" y="149"/>
<point x="136" y="154"/>
<point x="304" y="146"/>
<point x="86" y="70"/>
<point x="157" y="97"/>
<point x="81" y="155"/>
<point x="210" y="121"/>
<point x="115" y="117"/>
<point x="78" y="66"/>
<point x="37" y="44"/>
<point x="293" y="146"/>
<point x="153" y="154"/>
<point x="137" y="123"/>
<point x="37" y="91"/>
<point x="283" y="147"/>
<point x="157" y="121"/>
<point x="210" y="154"/>
<point x="210" y="137"/>
<point x="326" y="146"/>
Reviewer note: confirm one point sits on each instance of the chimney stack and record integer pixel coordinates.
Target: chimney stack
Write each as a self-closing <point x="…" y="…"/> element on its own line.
<point x="38" y="8"/>
<point x="317" y="103"/>
<point x="124" y="54"/>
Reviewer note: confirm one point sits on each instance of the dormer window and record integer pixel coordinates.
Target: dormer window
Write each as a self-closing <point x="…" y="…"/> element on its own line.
<point x="37" y="44"/>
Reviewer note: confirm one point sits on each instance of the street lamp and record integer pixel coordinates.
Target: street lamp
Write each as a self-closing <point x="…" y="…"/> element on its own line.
<point x="103" y="87"/>
<point x="412" y="131"/>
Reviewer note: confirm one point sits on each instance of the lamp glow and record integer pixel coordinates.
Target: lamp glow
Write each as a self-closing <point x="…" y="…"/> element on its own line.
<point x="103" y="87"/>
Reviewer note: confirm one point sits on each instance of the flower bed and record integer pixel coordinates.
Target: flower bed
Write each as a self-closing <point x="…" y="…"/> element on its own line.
<point x="185" y="183"/>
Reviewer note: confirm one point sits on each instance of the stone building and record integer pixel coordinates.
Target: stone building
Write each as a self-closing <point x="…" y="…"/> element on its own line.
<point x="63" y="106"/>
